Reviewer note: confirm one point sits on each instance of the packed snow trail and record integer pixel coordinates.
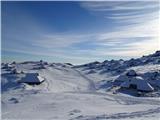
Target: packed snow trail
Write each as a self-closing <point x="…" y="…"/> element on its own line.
<point x="91" y="82"/>
<point x="60" y="80"/>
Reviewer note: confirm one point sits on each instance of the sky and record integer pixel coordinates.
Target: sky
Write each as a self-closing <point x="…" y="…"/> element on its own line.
<point x="78" y="32"/>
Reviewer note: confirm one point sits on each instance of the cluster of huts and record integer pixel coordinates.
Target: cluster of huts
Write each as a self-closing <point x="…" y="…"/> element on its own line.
<point x="29" y="78"/>
<point x="10" y="67"/>
<point x="131" y="80"/>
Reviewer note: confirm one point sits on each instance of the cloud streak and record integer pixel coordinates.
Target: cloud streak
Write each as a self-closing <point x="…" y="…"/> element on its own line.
<point x="142" y="20"/>
<point x="135" y="33"/>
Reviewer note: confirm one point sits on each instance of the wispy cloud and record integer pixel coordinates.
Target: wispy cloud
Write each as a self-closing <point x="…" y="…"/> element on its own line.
<point x="135" y="34"/>
<point x="124" y="11"/>
<point x="60" y="40"/>
<point x="120" y="5"/>
<point x="141" y="20"/>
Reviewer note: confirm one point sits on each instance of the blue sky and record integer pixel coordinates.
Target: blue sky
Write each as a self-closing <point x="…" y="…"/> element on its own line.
<point x="79" y="32"/>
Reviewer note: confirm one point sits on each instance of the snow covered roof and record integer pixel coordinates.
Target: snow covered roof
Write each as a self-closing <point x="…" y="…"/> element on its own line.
<point x="120" y="80"/>
<point x="139" y="82"/>
<point x="32" y="78"/>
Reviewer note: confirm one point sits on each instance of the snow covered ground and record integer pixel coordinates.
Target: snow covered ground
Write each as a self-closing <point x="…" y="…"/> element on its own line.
<point x="73" y="93"/>
<point x="78" y="106"/>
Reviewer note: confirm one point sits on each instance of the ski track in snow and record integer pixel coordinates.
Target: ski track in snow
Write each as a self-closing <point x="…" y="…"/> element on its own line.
<point x="124" y="100"/>
<point x="77" y="115"/>
<point x="50" y="105"/>
<point x="120" y="115"/>
<point x="91" y="82"/>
